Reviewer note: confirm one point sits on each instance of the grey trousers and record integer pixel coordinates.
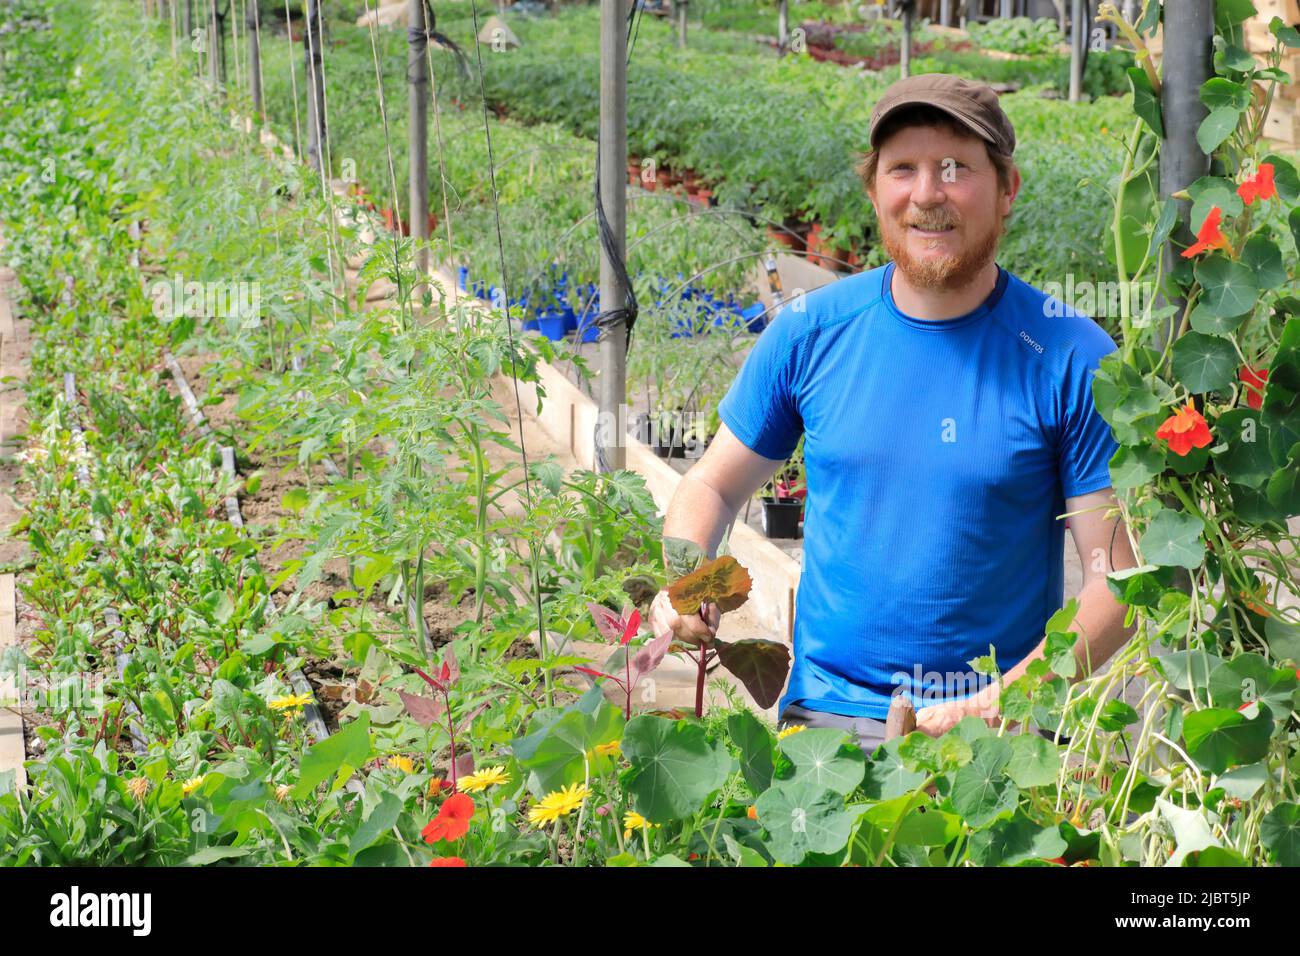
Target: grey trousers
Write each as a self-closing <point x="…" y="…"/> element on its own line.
<point x="869" y="732"/>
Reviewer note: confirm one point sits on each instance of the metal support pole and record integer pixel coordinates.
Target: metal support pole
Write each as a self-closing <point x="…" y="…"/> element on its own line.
<point x="1188" y="61"/>
<point x="945" y="13"/>
<point x="1078" y="38"/>
<point x="315" y="88"/>
<point x="783" y="25"/>
<point x="613" y="199"/>
<point x="417" y="82"/>
<point x="219" y="42"/>
<point x="681" y="24"/>
<point x="254" y="55"/>
<point x="1004" y="9"/>
<point x="905" y="50"/>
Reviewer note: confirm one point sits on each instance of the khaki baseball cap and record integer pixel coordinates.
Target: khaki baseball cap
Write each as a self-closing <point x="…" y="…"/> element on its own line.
<point x="973" y="104"/>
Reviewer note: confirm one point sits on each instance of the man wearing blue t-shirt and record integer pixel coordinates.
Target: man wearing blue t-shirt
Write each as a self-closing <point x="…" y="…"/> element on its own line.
<point x="948" y="423"/>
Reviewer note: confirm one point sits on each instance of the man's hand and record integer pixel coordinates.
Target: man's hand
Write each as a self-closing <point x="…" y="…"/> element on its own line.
<point x="940" y="718"/>
<point x="689" y="629"/>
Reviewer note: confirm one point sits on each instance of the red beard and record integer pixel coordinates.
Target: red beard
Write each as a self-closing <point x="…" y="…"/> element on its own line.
<point x="950" y="272"/>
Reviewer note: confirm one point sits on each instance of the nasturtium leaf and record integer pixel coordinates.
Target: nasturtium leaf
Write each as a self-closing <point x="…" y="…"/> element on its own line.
<point x="1140" y="586"/>
<point x="1228" y="13"/>
<point x="1286" y="34"/>
<point x="674" y="767"/>
<point x="379" y="821"/>
<point x="1116" y="715"/>
<point x="1283" y="639"/>
<point x="1293" y="221"/>
<point x="825" y="757"/>
<point x="1146" y="102"/>
<point x="1231" y="287"/>
<point x="1204" y="363"/>
<point x="755" y="744"/>
<point x="1059" y="650"/>
<point x="1247" y="677"/>
<point x="761" y="665"/>
<point x="1014" y="841"/>
<point x="923" y="825"/>
<point x="741" y="854"/>
<point x="1191" y="830"/>
<point x="1208" y="192"/>
<point x="566" y="753"/>
<point x="981" y="790"/>
<point x="1283" y="488"/>
<point x="802" y="818"/>
<point x="722" y="581"/>
<point x="1262" y="256"/>
<point x="683" y="556"/>
<point x="1205" y="321"/>
<point x="1188" y="669"/>
<point x="1246" y="459"/>
<point x="1034" y="762"/>
<point x="1215" y="856"/>
<point x="887" y="775"/>
<point x="345" y="751"/>
<point x="1217" y="127"/>
<point x="1243" y="782"/>
<point x="1164" y="226"/>
<point x="1135" y="465"/>
<point x="1285" y="178"/>
<point x="1218" y="92"/>
<point x="1279" y="831"/>
<point x="1173" y="539"/>
<point x="1218" y="738"/>
<point x="1230" y="58"/>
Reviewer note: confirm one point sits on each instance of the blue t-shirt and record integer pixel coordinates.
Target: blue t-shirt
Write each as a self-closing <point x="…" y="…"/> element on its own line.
<point x="938" y="455"/>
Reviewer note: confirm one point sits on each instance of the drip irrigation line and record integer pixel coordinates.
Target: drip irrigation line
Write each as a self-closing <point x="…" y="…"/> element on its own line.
<point x="121" y="658"/>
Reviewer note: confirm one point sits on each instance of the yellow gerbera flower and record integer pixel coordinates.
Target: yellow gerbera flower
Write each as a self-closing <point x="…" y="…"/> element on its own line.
<point x="611" y="749"/>
<point x="482" y="779"/>
<point x="290" y="702"/>
<point x="559" y="803"/>
<point x="793" y="729"/>
<point x="192" y="784"/>
<point x="634" y="821"/>
<point x="403" y="764"/>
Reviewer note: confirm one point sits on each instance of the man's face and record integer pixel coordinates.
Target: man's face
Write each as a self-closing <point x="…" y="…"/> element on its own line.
<point x="940" y="209"/>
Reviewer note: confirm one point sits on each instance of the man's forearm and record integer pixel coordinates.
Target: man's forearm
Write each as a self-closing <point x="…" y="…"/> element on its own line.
<point x="698" y="513"/>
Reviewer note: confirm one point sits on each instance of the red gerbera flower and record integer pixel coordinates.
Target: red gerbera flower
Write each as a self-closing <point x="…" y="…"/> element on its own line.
<point x="446" y="861"/>
<point x="1254" y="379"/>
<point x="1208" y="236"/>
<point x="452" y="821"/>
<point x="1259" y="186"/>
<point x="1184" y="430"/>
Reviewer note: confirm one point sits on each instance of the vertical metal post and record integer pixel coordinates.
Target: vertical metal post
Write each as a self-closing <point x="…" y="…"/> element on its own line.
<point x="945" y="13"/>
<point x="905" y="50"/>
<point x="417" y="80"/>
<point x="254" y="55"/>
<point x="315" y="88"/>
<point x="783" y="25"/>
<point x="1004" y="9"/>
<point x="613" y="199"/>
<point x="1187" y="62"/>
<point x="681" y="24"/>
<point x="1078" y="37"/>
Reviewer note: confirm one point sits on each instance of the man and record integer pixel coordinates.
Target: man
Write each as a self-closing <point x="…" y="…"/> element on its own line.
<point x="948" y="426"/>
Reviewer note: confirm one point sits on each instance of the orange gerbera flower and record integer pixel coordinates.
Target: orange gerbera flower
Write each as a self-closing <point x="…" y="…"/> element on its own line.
<point x="1184" y="430"/>
<point x="1208" y="236"/>
<point x="452" y="821"/>
<point x="1259" y="186"/>
<point x="1254" y="379"/>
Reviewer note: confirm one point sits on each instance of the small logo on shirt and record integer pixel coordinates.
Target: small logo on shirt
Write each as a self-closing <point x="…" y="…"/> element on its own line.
<point x="1024" y="336"/>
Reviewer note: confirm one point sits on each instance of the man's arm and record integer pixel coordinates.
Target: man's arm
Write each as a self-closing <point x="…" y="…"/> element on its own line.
<point x="1103" y="546"/>
<point x="706" y="501"/>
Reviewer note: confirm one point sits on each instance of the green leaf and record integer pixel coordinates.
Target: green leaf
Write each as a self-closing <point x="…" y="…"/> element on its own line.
<point x="1283" y="639"/>
<point x="1293" y="221"/>
<point x="1186" y="669"/>
<point x="1116" y="715"/>
<point x="1140" y="586"/>
<point x="1203" y="320"/>
<point x="1216" y="128"/>
<point x="1230" y="58"/>
<point x="295" y="499"/>
<point x="1231" y="288"/>
<point x="825" y="757"/>
<point x="338" y="756"/>
<point x="1284" y="488"/>
<point x="755" y="745"/>
<point x="981" y="791"/>
<point x="675" y="767"/>
<point x="1034" y="762"/>
<point x="1146" y="102"/>
<point x="565" y="754"/>
<point x="1284" y="178"/>
<point x="1135" y="465"/>
<point x="1228" y="13"/>
<point x="1218" y="738"/>
<point x="1287" y="35"/>
<point x="381" y="819"/>
<point x="923" y="826"/>
<point x="1210" y="191"/>
<point x="1059" y="650"/>
<point x="683" y="556"/>
<point x="887" y="774"/>
<point x="801" y="818"/>
<point x="1191" y="830"/>
<point x="1246" y="459"/>
<point x="1173" y="539"/>
<point x="1164" y="226"/>
<point x="1263" y="258"/>
<point x="1018" y="840"/>
<point x="1244" y="782"/>
<point x="1218" y="92"/>
<point x="1279" y="831"/>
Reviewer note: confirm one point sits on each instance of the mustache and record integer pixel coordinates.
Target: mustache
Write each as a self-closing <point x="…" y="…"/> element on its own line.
<point x="932" y="220"/>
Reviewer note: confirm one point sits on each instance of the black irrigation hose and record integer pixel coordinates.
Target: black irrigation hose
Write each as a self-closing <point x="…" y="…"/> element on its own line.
<point x="139" y="743"/>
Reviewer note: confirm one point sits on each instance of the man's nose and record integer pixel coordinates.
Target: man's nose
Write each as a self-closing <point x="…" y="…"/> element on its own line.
<point x="927" y="188"/>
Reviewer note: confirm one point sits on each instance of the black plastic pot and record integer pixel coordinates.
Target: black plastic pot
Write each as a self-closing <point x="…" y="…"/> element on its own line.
<point x="781" y="517"/>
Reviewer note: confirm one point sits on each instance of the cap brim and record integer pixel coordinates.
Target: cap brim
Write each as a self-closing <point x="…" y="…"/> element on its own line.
<point x="975" y="127"/>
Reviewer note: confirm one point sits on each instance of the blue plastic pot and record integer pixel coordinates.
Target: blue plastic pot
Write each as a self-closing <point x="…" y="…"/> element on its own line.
<point x="462" y="278"/>
<point x="588" y="332"/>
<point x="754" y="317"/>
<point x="552" y="325"/>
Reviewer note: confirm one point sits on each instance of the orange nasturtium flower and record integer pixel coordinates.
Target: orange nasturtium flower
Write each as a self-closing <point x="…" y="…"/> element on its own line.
<point x="1208" y="236"/>
<point x="446" y="861"/>
<point x="452" y="821"/>
<point x="1259" y="186"/>
<point x="1184" y="430"/>
<point x="1254" y="379"/>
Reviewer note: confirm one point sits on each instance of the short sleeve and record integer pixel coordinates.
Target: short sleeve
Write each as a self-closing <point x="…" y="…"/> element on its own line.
<point x="761" y="408"/>
<point x="1086" y="441"/>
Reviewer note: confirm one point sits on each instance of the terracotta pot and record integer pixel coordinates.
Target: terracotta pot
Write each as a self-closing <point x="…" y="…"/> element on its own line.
<point x="815" y="247"/>
<point x="633" y="173"/>
<point x="783" y="237"/>
<point x="705" y="197"/>
<point x="663" y="179"/>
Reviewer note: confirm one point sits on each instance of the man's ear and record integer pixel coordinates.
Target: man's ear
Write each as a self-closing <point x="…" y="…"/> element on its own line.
<point x="1010" y="196"/>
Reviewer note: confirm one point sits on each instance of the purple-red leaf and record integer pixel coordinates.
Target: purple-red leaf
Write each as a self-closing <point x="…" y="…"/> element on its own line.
<point x="464" y="764"/>
<point x="595" y="673"/>
<point x="432" y="682"/>
<point x="633" y="625"/>
<point x="425" y="710"/>
<point x="450" y="666"/>
<point x="608" y="623"/>
<point x="650" y="655"/>
<point x="762" y="666"/>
